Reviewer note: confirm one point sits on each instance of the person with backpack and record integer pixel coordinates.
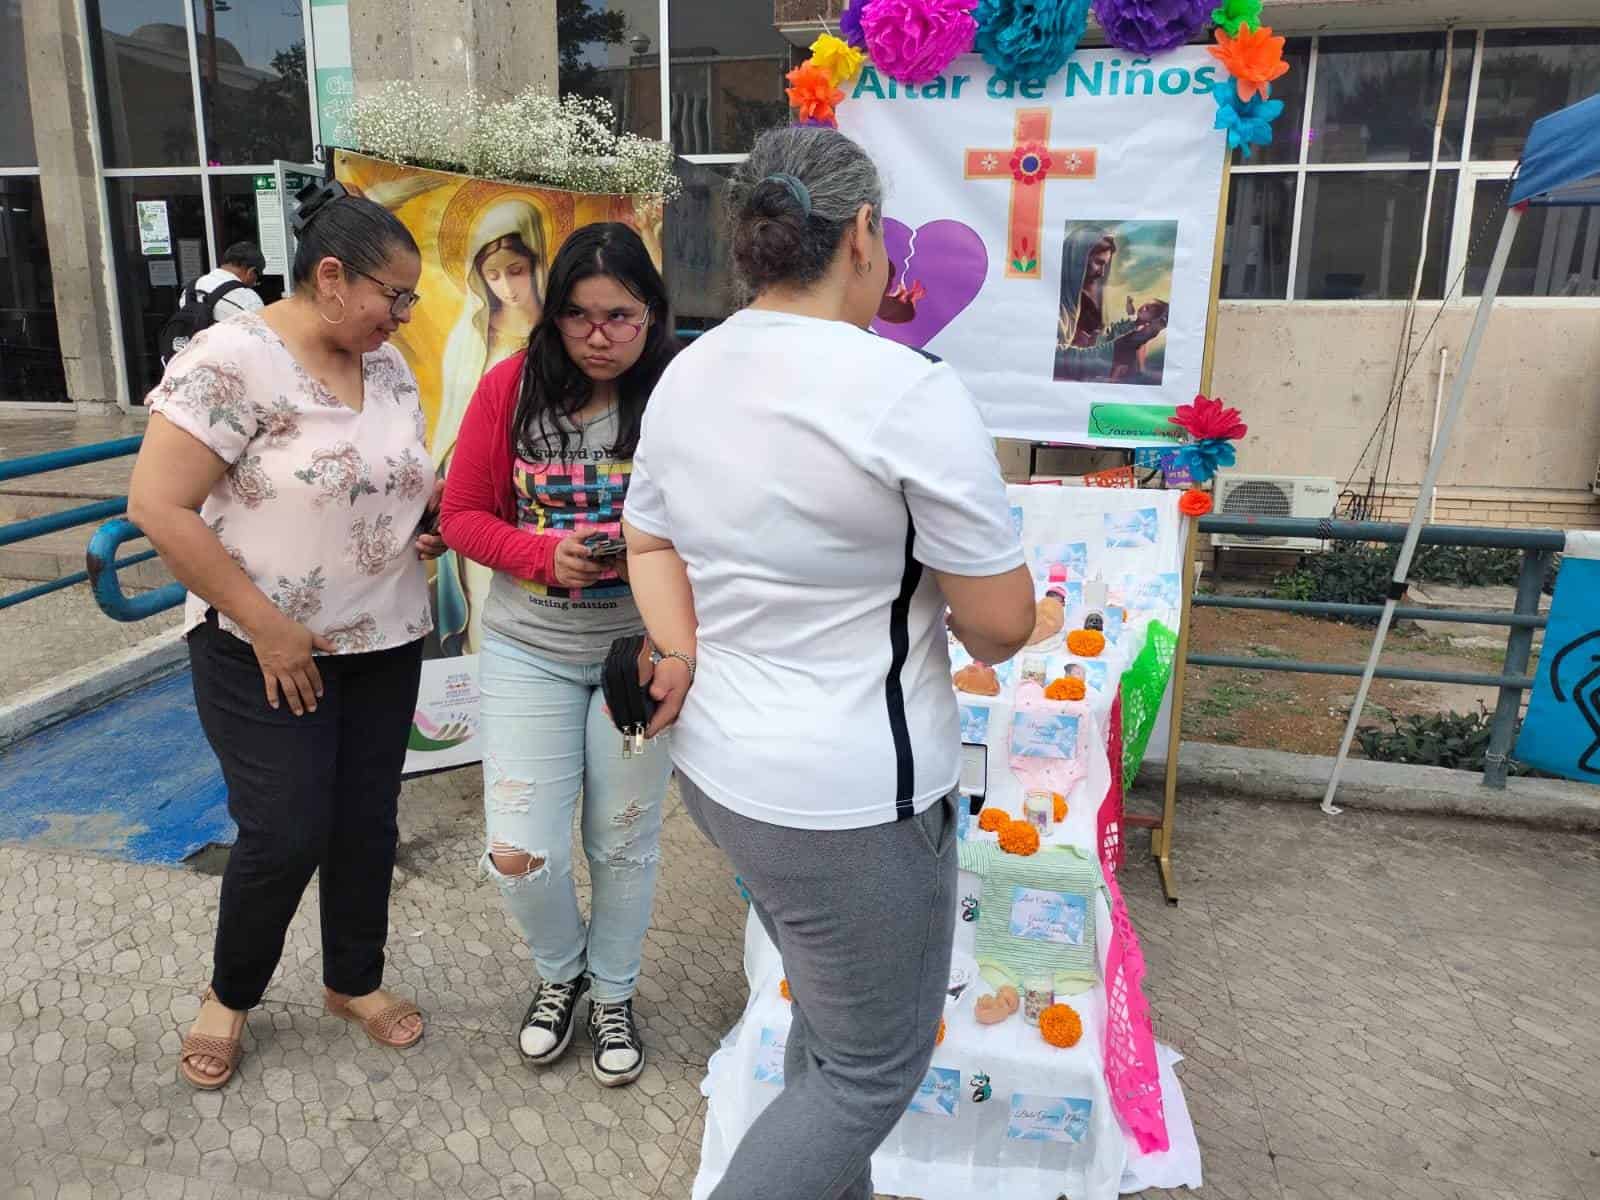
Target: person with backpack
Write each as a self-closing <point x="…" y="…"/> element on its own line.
<point x="215" y="296"/>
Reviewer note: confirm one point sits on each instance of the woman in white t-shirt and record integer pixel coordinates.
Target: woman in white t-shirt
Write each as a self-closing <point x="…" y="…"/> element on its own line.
<point x="808" y="503"/>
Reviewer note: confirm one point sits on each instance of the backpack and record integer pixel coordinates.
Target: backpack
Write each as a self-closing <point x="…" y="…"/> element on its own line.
<point x="196" y="311"/>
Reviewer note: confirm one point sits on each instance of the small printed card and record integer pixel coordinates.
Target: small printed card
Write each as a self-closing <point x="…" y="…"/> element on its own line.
<point x="939" y="1094"/>
<point x="1043" y="735"/>
<point x="974" y="723"/>
<point x="1041" y="916"/>
<point x="1153" y="593"/>
<point x="1095" y="672"/>
<point x="1048" y="1118"/>
<point x="1074" y="556"/>
<point x="1133" y="530"/>
<point x="769" y="1058"/>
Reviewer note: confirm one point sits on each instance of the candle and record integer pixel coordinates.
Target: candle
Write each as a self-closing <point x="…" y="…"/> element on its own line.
<point x="1038" y="809"/>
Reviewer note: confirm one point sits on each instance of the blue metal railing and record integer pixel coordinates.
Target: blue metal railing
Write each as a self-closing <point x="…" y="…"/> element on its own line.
<point x="1538" y="546"/>
<point x="102" y="574"/>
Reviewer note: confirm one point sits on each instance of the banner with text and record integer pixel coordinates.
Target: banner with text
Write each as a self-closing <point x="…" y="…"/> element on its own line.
<point x="1053" y="241"/>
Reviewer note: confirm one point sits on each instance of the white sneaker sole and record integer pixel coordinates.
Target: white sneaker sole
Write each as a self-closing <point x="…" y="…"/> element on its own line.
<point x="607" y="1080"/>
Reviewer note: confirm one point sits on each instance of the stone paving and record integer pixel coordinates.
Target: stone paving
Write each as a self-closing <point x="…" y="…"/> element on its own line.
<point x="1369" y="1006"/>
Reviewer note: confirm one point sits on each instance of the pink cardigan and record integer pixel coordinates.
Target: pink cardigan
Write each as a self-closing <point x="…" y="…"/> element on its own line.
<point x="478" y="518"/>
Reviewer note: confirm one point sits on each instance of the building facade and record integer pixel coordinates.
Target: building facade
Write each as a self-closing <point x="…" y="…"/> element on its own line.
<point x="135" y="136"/>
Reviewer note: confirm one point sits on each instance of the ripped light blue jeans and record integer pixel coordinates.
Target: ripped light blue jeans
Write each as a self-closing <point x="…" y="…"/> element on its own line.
<point x="547" y="738"/>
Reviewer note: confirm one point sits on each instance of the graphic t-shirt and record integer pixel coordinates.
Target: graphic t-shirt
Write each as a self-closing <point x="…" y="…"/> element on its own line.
<point x="558" y="493"/>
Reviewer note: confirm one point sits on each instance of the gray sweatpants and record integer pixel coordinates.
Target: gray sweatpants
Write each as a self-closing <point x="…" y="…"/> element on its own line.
<point x="864" y="919"/>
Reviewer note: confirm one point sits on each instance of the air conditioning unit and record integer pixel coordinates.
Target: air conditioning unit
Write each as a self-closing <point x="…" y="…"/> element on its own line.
<point x="1273" y="496"/>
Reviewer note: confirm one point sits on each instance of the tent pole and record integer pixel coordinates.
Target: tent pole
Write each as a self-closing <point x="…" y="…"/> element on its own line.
<point x="1441" y="444"/>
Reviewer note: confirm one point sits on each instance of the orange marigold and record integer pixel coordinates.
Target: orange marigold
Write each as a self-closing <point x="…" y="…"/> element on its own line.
<point x="1066" y="688"/>
<point x="938" y="1038"/>
<point x="1060" y="1025"/>
<point x="1019" y="837"/>
<point x="1254" y="58"/>
<point x="812" y="93"/>
<point x="993" y="820"/>
<point x="1086" y="643"/>
<point x="1060" y="807"/>
<point x="1194" y="502"/>
<point x="783" y="990"/>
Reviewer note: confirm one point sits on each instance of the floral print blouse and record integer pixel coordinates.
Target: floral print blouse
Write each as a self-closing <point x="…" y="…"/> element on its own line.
<point x="320" y="504"/>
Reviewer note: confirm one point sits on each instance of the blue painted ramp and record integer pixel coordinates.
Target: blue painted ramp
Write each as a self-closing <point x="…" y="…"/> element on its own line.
<point x="133" y="779"/>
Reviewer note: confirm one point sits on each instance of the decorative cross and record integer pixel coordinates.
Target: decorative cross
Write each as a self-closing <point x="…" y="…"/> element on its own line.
<point x="1029" y="162"/>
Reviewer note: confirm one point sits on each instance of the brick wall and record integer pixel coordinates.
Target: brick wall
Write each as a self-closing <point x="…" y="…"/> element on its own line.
<point x="806" y="12"/>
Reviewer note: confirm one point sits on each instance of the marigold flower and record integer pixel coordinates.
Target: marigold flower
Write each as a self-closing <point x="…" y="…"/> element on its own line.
<point x="1060" y="1025"/>
<point x="1086" y="643"/>
<point x="993" y="820"/>
<point x="1060" y="807"/>
<point x="783" y="990"/>
<point x="1019" y="837"/>
<point x="1066" y="688"/>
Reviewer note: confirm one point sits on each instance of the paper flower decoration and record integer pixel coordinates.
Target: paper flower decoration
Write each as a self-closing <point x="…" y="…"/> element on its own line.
<point x="1205" y="458"/>
<point x="1208" y="418"/>
<point x="1247" y="122"/>
<point x="1059" y="805"/>
<point x="812" y="94"/>
<point x="1029" y="39"/>
<point x="840" y="60"/>
<point x="1060" y="1025"/>
<point x="1231" y="14"/>
<point x="914" y="40"/>
<point x="993" y="820"/>
<point x="1030" y="163"/>
<point x="1019" y="837"/>
<point x="1150" y="26"/>
<point x="1254" y="58"/>
<point x="1194" y="503"/>
<point x="1066" y="688"/>
<point x="850" y="24"/>
<point x="1086" y="643"/>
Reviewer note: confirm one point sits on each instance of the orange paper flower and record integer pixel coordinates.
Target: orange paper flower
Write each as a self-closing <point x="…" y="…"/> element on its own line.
<point x="1195" y="502"/>
<point x="783" y="990"/>
<point x="1254" y="58"/>
<point x="1066" y="688"/>
<point x="993" y="820"/>
<point x="1060" y="807"/>
<point x="938" y="1038"/>
<point x="812" y="93"/>
<point x="1086" y="643"/>
<point x="1019" y="837"/>
<point x="1060" y="1025"/>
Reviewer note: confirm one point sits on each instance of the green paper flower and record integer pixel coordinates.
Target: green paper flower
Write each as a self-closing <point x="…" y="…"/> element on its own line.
<point x="1231" y="14"/>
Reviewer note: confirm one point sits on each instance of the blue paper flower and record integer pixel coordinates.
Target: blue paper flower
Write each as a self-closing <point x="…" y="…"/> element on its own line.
<point x="1204" y="458"/>
<point x="1247" y="122"/>
<point x="1025" y="40"/>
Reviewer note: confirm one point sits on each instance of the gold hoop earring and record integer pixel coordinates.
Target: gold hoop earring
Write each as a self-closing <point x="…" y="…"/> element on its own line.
<point x="343" y="312"/>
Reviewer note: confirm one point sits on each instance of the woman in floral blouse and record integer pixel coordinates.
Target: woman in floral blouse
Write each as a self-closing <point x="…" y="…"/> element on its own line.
<point x="286" y="481"/>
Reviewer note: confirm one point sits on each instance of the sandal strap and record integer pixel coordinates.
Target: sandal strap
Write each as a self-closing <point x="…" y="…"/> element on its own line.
<point x="383" y="1024"/>
<point x="206" y="1045"/>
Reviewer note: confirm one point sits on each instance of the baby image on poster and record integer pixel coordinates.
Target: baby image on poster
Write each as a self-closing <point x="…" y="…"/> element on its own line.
<point x="1116" y="278"/>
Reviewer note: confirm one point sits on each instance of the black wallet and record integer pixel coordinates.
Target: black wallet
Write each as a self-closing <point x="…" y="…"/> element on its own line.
<point x="628" y="700"/>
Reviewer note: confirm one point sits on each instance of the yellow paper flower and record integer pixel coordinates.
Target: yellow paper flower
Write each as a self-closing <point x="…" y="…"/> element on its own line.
<point x="838" y="58"/>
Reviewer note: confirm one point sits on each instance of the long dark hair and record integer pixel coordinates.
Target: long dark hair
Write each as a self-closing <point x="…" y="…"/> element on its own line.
<point x="554" y="388"/>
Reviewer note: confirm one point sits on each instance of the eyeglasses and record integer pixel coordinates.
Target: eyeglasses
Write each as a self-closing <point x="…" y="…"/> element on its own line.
<point x="401" y="302"/>
<point x="616" y="330"/>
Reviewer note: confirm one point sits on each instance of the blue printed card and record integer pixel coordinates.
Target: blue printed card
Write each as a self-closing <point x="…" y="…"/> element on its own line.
<point x="939" y="1094"/>
<point x="1133" y="530"/>
<point x="1074" y="556"/>
<point x="1016" y="519"/>
<point x="1043" y="916"/>
<point x="769" y="1058"/>
<point x="1043" y="735"/>
<point x="1048" y="1118"/>
<point x="974" y="723"/>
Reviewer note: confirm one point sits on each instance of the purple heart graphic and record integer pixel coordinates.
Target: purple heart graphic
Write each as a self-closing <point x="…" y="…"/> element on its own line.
<point x="947" y="260"/>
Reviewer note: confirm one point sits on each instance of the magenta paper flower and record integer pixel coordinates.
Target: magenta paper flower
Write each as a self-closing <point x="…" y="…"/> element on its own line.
<point x="914" y="40"/>
<point x="1208" y="418"/>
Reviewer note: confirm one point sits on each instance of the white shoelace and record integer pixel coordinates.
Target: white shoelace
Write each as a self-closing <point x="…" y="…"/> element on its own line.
<point x="611" y="1028"/>
<point x="554" y="1000"/>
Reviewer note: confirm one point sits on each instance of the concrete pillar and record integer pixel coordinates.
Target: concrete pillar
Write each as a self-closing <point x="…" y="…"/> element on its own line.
<point x="74" y="202"/>
<point x="499" y="47"/>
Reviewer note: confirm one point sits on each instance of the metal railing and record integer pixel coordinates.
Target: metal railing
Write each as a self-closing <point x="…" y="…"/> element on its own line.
<point x="83" y="514"/>
<point x="1538" y="546"/>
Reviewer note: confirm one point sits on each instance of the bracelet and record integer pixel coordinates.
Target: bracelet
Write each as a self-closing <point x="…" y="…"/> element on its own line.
<point x="657" y="658"/>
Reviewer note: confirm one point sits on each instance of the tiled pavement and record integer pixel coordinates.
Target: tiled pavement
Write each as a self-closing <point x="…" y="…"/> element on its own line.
<point x="1370" y="1006"/>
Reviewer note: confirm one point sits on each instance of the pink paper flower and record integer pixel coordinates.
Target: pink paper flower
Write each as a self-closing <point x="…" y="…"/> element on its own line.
<point x="1208" y="418"/>
<point x="914" y="40"/>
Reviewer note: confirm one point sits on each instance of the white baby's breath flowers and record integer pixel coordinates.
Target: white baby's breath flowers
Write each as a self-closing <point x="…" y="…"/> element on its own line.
<point x="530" y="138"/>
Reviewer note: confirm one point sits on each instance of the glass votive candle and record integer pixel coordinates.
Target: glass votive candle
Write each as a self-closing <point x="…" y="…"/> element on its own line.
<point x="1038" y="994"/>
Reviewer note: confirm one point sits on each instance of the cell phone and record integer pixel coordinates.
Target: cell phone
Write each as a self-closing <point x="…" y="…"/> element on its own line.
<point x="601" y="545"/>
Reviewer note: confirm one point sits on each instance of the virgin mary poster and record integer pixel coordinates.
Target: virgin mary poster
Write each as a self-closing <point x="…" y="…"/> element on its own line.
<point x="486" y="246"/>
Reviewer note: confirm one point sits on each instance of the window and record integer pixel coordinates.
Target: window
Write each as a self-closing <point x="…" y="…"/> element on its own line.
<point x="30" y="351"/>
<point x="252" y="61"/>
<point x="696" y="250"/>
<point x="613" y="51"/>
<point x="16" y="115"/>
<point x="1334" y="208"/>
<point x="140" y="50"/>
<point x="158" y="239"/>
<point x="726" y="75"/>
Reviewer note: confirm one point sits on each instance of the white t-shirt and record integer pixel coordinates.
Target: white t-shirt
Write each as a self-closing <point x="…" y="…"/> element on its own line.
<point x="239" y="300"/>
<point x="807" y="473"/>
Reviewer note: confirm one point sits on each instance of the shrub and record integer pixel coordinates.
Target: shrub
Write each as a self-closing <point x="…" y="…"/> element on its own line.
<point x="1359" y="573"/>
<point x="1455" y="740"/>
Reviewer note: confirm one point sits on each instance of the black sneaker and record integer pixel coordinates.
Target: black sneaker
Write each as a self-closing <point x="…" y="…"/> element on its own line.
<point x="618" y="1052"/>
<point x="547" y="1027"/>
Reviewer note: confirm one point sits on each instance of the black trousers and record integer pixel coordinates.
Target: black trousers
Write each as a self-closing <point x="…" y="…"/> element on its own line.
<point x="318" y="792"/>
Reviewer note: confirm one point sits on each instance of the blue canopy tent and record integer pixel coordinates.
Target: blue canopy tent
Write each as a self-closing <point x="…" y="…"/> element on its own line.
<point x="1560" y="167"/>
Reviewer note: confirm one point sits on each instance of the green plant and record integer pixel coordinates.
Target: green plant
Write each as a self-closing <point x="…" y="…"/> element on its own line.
<point x="1359" y="573"/>
<point x="1455" y="740"/>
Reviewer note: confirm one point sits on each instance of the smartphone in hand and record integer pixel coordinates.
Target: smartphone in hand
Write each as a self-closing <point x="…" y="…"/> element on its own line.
<point x="601" y="545"/>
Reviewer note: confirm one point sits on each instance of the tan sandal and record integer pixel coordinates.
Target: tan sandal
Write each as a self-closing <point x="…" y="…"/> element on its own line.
<point x="208" y="1045"/>
<point x="380" y="1026"/>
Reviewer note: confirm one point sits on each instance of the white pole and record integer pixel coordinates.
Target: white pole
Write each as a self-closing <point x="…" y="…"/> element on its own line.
<point x="1408" y="548"/>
